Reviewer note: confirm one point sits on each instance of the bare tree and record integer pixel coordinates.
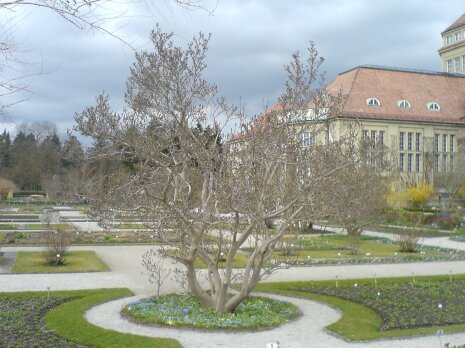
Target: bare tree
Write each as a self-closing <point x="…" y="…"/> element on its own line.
<point x="184" y="182"/>
<point x="57" y="240"/>
<point x="362" y="189"/>
<point x="154" y="262"/>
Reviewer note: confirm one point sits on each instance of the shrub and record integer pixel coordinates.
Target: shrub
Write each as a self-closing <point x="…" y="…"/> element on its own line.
<point x="396" y="200"/>
<point x="57" y="242"/>
<point x="461" y="191"/>
<point x="408" y="240"/>
<point x="419" y="195"/>
<point x="391" y="217"/>
<point x="446" y="221"/>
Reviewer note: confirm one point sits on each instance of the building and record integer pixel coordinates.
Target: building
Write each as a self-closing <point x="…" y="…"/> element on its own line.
<point x="418" y="115"/>
<point x="453" y="52"/>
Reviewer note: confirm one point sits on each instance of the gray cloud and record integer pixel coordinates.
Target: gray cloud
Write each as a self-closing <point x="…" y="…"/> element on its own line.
<point x="251" y="42"/>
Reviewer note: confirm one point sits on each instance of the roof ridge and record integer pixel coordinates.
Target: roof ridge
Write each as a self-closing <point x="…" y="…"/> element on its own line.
<point x="456" y="24"/>
<point x="406" y="70"/>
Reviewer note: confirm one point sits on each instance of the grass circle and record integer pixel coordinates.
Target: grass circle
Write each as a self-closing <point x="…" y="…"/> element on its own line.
<point x="182" y="310"/>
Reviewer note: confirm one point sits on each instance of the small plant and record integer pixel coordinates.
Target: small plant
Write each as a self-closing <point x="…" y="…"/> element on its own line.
<point x="408" y="240"/>
<point x="354" y="239"/>
<point x="57" y="243"/>
<point x="184" y="310"/>
<point x="154" y="262"/>
<point x="419" y="195"/>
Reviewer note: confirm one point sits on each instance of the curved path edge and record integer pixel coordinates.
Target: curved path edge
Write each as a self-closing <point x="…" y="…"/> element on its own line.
<point x="307" y="331"/>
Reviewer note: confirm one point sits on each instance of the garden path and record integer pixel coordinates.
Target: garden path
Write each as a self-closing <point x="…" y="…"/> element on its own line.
<point x="305" y="332"/>
<point x="7" y="262"/>
<point x="127" y="271"/>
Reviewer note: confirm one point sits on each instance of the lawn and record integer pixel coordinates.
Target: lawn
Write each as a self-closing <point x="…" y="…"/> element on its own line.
<point x="76" y="261"/>
<point x="240" y="260"/>
<point x="391" y="307"/>
<point x="29" y="226"/>
<point x="23" y="315"/>
<point x="335" y="249"/>
<point x="127" y="226"/>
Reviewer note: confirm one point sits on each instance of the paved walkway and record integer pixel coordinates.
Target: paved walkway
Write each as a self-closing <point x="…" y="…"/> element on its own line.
<point x="305" y="332"/>
<point x="7" y="262"/>
<point x="127" y="271"/>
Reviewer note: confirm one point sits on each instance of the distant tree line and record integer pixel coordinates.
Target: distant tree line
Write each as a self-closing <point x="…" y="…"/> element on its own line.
<point x="36" y="158"/>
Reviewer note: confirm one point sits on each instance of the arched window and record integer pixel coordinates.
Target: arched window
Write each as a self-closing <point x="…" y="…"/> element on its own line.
<point x="403" y="104"/>
<point x="433" y="106"/>
<point x="373" y="102"/>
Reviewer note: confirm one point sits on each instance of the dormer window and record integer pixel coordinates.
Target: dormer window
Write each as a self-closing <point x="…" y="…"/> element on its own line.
<point x="403" y="104"/>
<point x="373" y="102"/>
<point x="433" y="106"/>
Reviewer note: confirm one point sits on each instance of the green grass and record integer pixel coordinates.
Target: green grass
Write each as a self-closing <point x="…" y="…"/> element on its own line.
<point x="240" y="260"/>
<point x="337" y="249"/>
<point x="28" y="226"/>
<point x="8" y="226"/>
<point x="358" y="322"/>
<point x="129" y="226"/>
<point x="67" y="320"/>
<point x="76" y="261"/>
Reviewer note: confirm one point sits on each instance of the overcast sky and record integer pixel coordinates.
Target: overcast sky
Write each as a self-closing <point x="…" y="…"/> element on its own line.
<point x="251" y="41"/>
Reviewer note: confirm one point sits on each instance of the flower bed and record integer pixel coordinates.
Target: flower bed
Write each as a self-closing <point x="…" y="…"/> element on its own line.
<point x="21" y="323"/>
<point x="185" y="310"/>
<point x="406" y="305"/>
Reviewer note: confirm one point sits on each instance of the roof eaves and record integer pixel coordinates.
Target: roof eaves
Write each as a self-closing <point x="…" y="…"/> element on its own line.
<point x="406" y="70"/>
<point x="457" y="24"/>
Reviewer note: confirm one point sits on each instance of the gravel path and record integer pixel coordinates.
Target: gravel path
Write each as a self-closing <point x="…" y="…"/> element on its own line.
<point x="7" y="262"/>
<point x="303" y="333"/>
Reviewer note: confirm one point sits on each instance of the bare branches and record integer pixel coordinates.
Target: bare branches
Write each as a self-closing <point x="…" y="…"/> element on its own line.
<point x="210" y="202"/>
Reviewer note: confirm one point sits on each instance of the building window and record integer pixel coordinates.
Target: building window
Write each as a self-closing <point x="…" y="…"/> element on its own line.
<point x="448" y="39"/>
<point x="436" y="142"/>
<point x="381" y="137"/>
<point x="436" y="163"/>
<point x="444" y="143"/>
<point x="365" y="134"/>
<point x="458" y="36"/>
<point x="403" y="104"/>
<point x="451" y="143"/>
<point x="458" y="64"/>
<point x="409" y="163"/>
<point x="451" y="163"/>
<point x="306" y="139"/>
<point x="444" y="163"/>
<point x="373" y="102"/>
<point x="450" y="66"/>
<point x="417" y="141"/>
<point x="463" y="62"/>
<point x="401" y="162"/>
<point x="417" y="162"/>
<point x="402" y="141"/>
<point x="410" y="141"/>
<point x="433" y="106"/>
<point x="373" y="139"/>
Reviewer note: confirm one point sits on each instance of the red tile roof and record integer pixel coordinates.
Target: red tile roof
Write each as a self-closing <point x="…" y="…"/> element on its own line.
<point x="389" y="85"/>
<point x="458" y="23"/>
